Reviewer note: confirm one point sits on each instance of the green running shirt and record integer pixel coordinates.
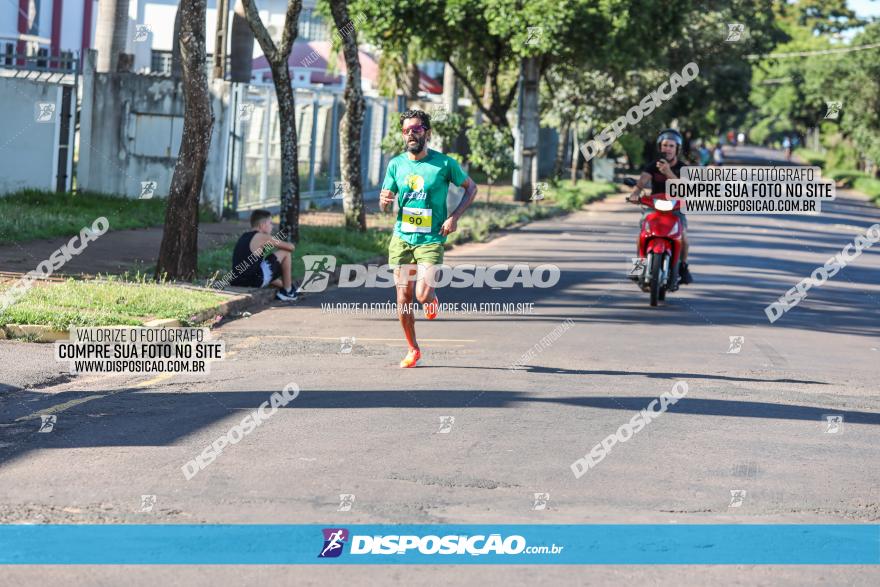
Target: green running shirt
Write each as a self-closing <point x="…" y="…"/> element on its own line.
<point x="421" y="187"/>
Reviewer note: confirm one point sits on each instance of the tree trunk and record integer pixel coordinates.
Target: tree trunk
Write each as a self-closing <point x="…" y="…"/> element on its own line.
<point x="352" y="121"/>
<point x="450" y="102"/>
<point x="528" y="128"/>
<point x="178" y="254"/>
<point x="111" y="33"/>
<point x="490" y="103"/>
<point x="241" y="50"/>
<point x="289" y="214"/>
<point x="561" y="149"/>
<point x="575" y="153"/>
<point x="277" y="57"/>
<point x="413" y="77"/>
<point x="175" y="48"/>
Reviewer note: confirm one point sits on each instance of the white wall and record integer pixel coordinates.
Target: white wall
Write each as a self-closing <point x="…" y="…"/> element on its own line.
<point x="131" y="127"/>
<point x="28" y="150"/>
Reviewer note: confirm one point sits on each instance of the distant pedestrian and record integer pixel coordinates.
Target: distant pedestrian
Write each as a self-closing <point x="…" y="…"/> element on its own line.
<point x="705" y="155"/>
<point x="786" y="148"/>
<point x="718" y="155"/>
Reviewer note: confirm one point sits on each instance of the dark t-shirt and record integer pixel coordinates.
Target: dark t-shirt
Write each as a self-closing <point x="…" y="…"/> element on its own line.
<point x="658" y="180"/>
<point x="245" y="264"/>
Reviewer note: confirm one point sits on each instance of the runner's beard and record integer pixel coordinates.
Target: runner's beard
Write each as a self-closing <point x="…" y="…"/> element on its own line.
<point x="419" y="146"/>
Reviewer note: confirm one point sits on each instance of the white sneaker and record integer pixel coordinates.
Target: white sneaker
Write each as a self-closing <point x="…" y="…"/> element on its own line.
<point x="286" y="295"/>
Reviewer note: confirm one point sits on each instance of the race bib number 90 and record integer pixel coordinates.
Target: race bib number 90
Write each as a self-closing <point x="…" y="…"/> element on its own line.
<point x="415" y="219"/>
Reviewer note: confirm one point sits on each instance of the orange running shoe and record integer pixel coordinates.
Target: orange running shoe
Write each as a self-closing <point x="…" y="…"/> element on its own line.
<point x="412" y="359"/>
<point x="432" y="308"/>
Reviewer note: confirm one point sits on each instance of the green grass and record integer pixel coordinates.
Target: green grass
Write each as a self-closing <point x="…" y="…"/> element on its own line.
<point x="481" y="218"/>
<point x="33" y="214"/>
<point x="573" y="197"/>
<point x="857" y="180"/>
<point x="846" y="177"/>
<point x="106" y="303"/>
<point x="814" y="158"/>
<point x="868" y="186"/>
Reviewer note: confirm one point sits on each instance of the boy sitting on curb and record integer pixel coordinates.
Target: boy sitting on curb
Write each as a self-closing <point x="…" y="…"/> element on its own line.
<point x="252" y="269"/>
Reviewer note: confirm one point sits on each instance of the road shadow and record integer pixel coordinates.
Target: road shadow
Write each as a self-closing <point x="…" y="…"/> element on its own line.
<point x="143" y="418"/>
<point x="651" y="375"/>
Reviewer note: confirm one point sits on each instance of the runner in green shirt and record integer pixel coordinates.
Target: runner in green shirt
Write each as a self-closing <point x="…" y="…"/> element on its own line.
<point x="419" y="179"/>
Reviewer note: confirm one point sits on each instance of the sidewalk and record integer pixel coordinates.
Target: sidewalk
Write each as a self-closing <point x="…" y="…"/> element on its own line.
<point x="114" y="252"/>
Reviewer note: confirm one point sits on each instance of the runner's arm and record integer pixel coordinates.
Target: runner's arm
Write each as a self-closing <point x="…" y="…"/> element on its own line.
<point x="389" y="187"/>
<point x="386" y="197"/>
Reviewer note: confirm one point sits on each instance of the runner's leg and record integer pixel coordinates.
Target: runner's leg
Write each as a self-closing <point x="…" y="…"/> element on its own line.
<point x="404" y="280"/>
<point x="425" y="286"/>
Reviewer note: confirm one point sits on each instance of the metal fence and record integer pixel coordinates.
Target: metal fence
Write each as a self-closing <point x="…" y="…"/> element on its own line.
<point x="249" y="153"/>
<point x="256" y="153"/>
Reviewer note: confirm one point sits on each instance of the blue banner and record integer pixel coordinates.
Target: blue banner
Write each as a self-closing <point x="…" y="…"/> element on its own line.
<point x="834" y="544"/>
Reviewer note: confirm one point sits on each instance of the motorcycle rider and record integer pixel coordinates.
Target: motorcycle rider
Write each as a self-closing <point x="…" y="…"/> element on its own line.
<point x="655" y="174"/>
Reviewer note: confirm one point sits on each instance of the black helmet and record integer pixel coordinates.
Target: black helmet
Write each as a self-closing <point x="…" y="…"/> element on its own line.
<point x="670" y="134"/>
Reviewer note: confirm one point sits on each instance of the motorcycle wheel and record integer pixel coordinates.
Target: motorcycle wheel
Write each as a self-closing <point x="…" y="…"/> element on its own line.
<point x="662" y="295"/>
<point x="656" y="288"/>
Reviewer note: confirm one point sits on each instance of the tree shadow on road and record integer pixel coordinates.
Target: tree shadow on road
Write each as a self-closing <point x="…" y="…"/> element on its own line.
<point x="653" y="375"/>
<point x="141" y="418"/>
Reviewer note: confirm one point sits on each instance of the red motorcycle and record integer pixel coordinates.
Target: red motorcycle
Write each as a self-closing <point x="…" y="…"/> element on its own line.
<point x="659" y="245"/>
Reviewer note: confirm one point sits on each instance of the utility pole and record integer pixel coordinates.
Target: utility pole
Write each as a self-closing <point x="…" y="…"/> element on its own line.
<point x="525" y="151"/>
<point x="221" y="39"/>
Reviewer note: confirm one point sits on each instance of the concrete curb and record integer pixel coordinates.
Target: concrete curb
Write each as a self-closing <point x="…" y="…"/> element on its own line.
<point x="38" y="332"/>
<point x="238" y="302"/>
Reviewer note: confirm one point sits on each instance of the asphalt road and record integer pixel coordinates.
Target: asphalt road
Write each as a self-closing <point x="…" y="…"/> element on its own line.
<point x="752" y="420"/>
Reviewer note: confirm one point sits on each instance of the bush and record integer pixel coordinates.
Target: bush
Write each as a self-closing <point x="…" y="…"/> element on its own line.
<point x="491" y="152"/>
<point x="845" y="177"/>
<point x="868" y="186"/>
<point x="633" y="146"/>
<point x="814" y="158"/>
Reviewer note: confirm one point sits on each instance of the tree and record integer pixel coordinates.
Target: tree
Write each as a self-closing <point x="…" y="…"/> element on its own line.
<point x="111" y="33"/>
<point x="178" y="253"/>
<point x="791" y="87"/>
<point x="277" y="56"/>
<point x="575" y="98"/>
<point x="492" y="152"/>
<point x="352" y="120"/>
<point x="861" y="95"/>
